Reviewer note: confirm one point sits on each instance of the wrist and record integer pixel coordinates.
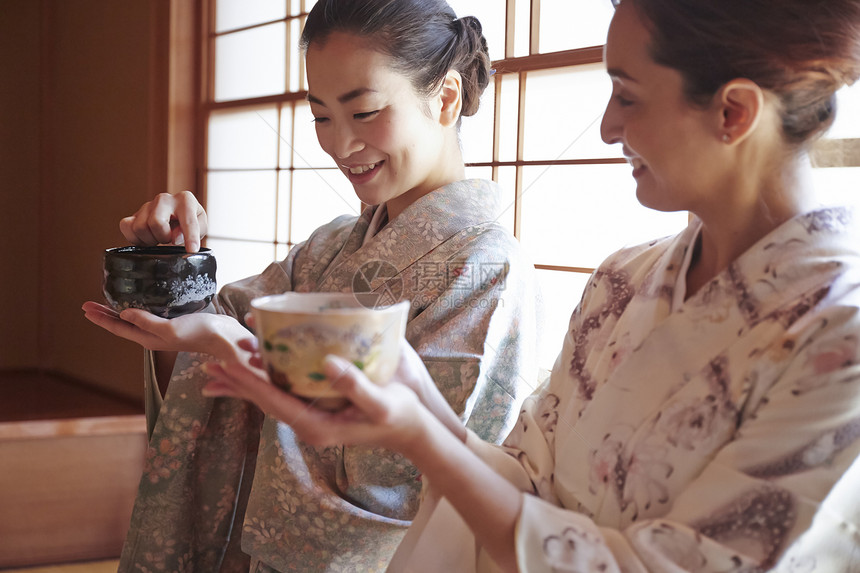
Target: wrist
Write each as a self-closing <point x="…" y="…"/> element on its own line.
<point x="427" y="444"/>
<point x="217" y="345"/>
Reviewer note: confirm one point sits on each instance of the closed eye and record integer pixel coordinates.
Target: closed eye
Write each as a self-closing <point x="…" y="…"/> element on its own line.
<point x="320" y="119"/>
<point x="365" y="115"/>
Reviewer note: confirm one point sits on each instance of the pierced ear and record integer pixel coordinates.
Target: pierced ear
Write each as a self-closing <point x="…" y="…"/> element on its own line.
<point x="742" y="105"/>
<point x="451" y="96"/>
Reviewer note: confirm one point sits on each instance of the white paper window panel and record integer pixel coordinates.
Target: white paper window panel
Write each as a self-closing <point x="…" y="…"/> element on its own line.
<point x="561" y="291"/>
<point x="847" y="124"/>
<point x="571" y="24"/>
<point x="243" y="139"/>
<point x="838" y="185"/>
<point x="491" y="14"/>
<point x="306" y="150"/>
<point x="241" y="204"/>
<point x="251" y="63"/>
<point x="295" y="55"/>
<point x="285" y="137"/>
<point x="476" y="131"/>
<point x="507" y="180"/>
<point x="479" y="173"/>
<point x="233" y="14"/>
<point x="318" y="196"/>
<point x="563" y="110"/>
<point x="239" y="259"/>
<point x="509" y="99"/>
<point x="577" y="215"/>
<point x="522" y="28"/>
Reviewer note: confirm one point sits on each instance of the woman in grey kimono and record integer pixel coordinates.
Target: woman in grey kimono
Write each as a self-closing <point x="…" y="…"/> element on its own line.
<point x="704" y="412"/>
<point x="388" y="83"/>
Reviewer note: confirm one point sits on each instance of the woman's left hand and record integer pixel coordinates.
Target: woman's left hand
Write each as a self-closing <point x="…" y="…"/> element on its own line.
<point x="390" y="416"/>
<point x="213" y="334"/>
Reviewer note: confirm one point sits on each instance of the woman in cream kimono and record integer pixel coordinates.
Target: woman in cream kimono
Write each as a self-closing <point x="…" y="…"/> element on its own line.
<point x="388" y="83"/>
<point x="704" y="412"/>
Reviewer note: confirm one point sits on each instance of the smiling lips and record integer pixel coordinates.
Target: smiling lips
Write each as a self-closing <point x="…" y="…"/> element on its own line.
<point x="359" y="169"/>
<point x="637" y="164"/>
<point x="362" y="173"/>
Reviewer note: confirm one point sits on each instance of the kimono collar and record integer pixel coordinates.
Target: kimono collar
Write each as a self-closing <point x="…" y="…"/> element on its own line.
<point x="377" y="222"/>
<point x="419" y="229"/>
<point x="797" y="261"/>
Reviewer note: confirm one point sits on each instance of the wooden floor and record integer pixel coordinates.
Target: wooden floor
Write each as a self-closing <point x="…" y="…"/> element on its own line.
<point x="92" y="567"/>
<point x="33" y="395"/>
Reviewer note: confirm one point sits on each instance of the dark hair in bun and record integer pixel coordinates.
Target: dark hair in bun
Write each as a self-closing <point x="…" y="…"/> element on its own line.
<point x="423" y="38"/>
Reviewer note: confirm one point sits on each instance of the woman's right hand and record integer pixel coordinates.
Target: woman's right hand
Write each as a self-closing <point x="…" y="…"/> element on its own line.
<point x="209" y="333"/>
<point x="168" y="219"/>
<point x="390" y="416"/>
<point x="244" y="382"/>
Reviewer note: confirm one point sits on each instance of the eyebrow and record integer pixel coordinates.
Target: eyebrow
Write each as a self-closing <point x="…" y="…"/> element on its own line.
<point x="351" y="95"/>
<point x="620" y="74"/>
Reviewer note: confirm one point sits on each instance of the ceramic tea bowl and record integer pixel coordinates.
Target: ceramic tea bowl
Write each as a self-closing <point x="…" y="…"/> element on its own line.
<point x="297" y="330"/>
<point x="165" y="280"/>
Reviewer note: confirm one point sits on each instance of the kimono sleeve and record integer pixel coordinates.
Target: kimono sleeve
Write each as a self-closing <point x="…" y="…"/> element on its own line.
<point x="235" y="298"/>
<point x="479" y="338"/>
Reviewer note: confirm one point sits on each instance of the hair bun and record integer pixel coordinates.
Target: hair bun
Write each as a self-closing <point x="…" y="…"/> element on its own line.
<point x="424" y="39"/>
<point x="475" y="64"/>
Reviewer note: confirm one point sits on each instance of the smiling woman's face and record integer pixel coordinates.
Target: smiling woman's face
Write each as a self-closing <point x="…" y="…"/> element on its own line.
<point x="385" y="138"/>
<point x="667" y="141"/>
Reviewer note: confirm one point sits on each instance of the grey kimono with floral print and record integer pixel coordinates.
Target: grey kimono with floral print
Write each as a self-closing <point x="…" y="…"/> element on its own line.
<point x="473" y="321"/>
<point x="710" y="433"/>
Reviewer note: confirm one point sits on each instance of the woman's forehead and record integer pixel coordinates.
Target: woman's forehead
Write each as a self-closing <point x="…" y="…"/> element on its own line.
<point x="627" y="43"/>
<point x="339" y="66"/>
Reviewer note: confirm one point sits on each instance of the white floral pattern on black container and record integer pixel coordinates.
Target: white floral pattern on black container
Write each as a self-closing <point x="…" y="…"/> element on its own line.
<point x="164" y="280"/>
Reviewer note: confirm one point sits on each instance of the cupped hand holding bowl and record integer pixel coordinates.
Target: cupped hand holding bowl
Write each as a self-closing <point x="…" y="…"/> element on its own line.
<point x="209" y="333"/>
<point x="154" y="296"/>
<point x="389" y="415"/>
<point x="296" y="331"/>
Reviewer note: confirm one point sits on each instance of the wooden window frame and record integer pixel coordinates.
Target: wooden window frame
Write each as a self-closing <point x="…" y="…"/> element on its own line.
<point x="193" y="140"/>
<point x="510" y="65"/>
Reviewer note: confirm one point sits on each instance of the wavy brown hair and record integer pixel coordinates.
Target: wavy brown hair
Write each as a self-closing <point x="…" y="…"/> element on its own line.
<point x="802" y="51"/>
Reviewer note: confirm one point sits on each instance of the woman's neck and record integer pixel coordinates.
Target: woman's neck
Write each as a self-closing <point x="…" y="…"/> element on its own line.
<point x="449" y="168"/>
<point x="729" y="231"/>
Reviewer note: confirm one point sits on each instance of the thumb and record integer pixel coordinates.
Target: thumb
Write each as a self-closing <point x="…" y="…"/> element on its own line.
<point x="349" y="380"/>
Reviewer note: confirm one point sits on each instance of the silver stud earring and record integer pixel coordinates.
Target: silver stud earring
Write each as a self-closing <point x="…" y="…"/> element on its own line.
<point x="727" y="138"/>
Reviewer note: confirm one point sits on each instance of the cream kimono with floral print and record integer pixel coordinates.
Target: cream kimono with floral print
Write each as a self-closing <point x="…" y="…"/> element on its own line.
<point x="472" y="320"/>
<point x="714" y="434"/>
